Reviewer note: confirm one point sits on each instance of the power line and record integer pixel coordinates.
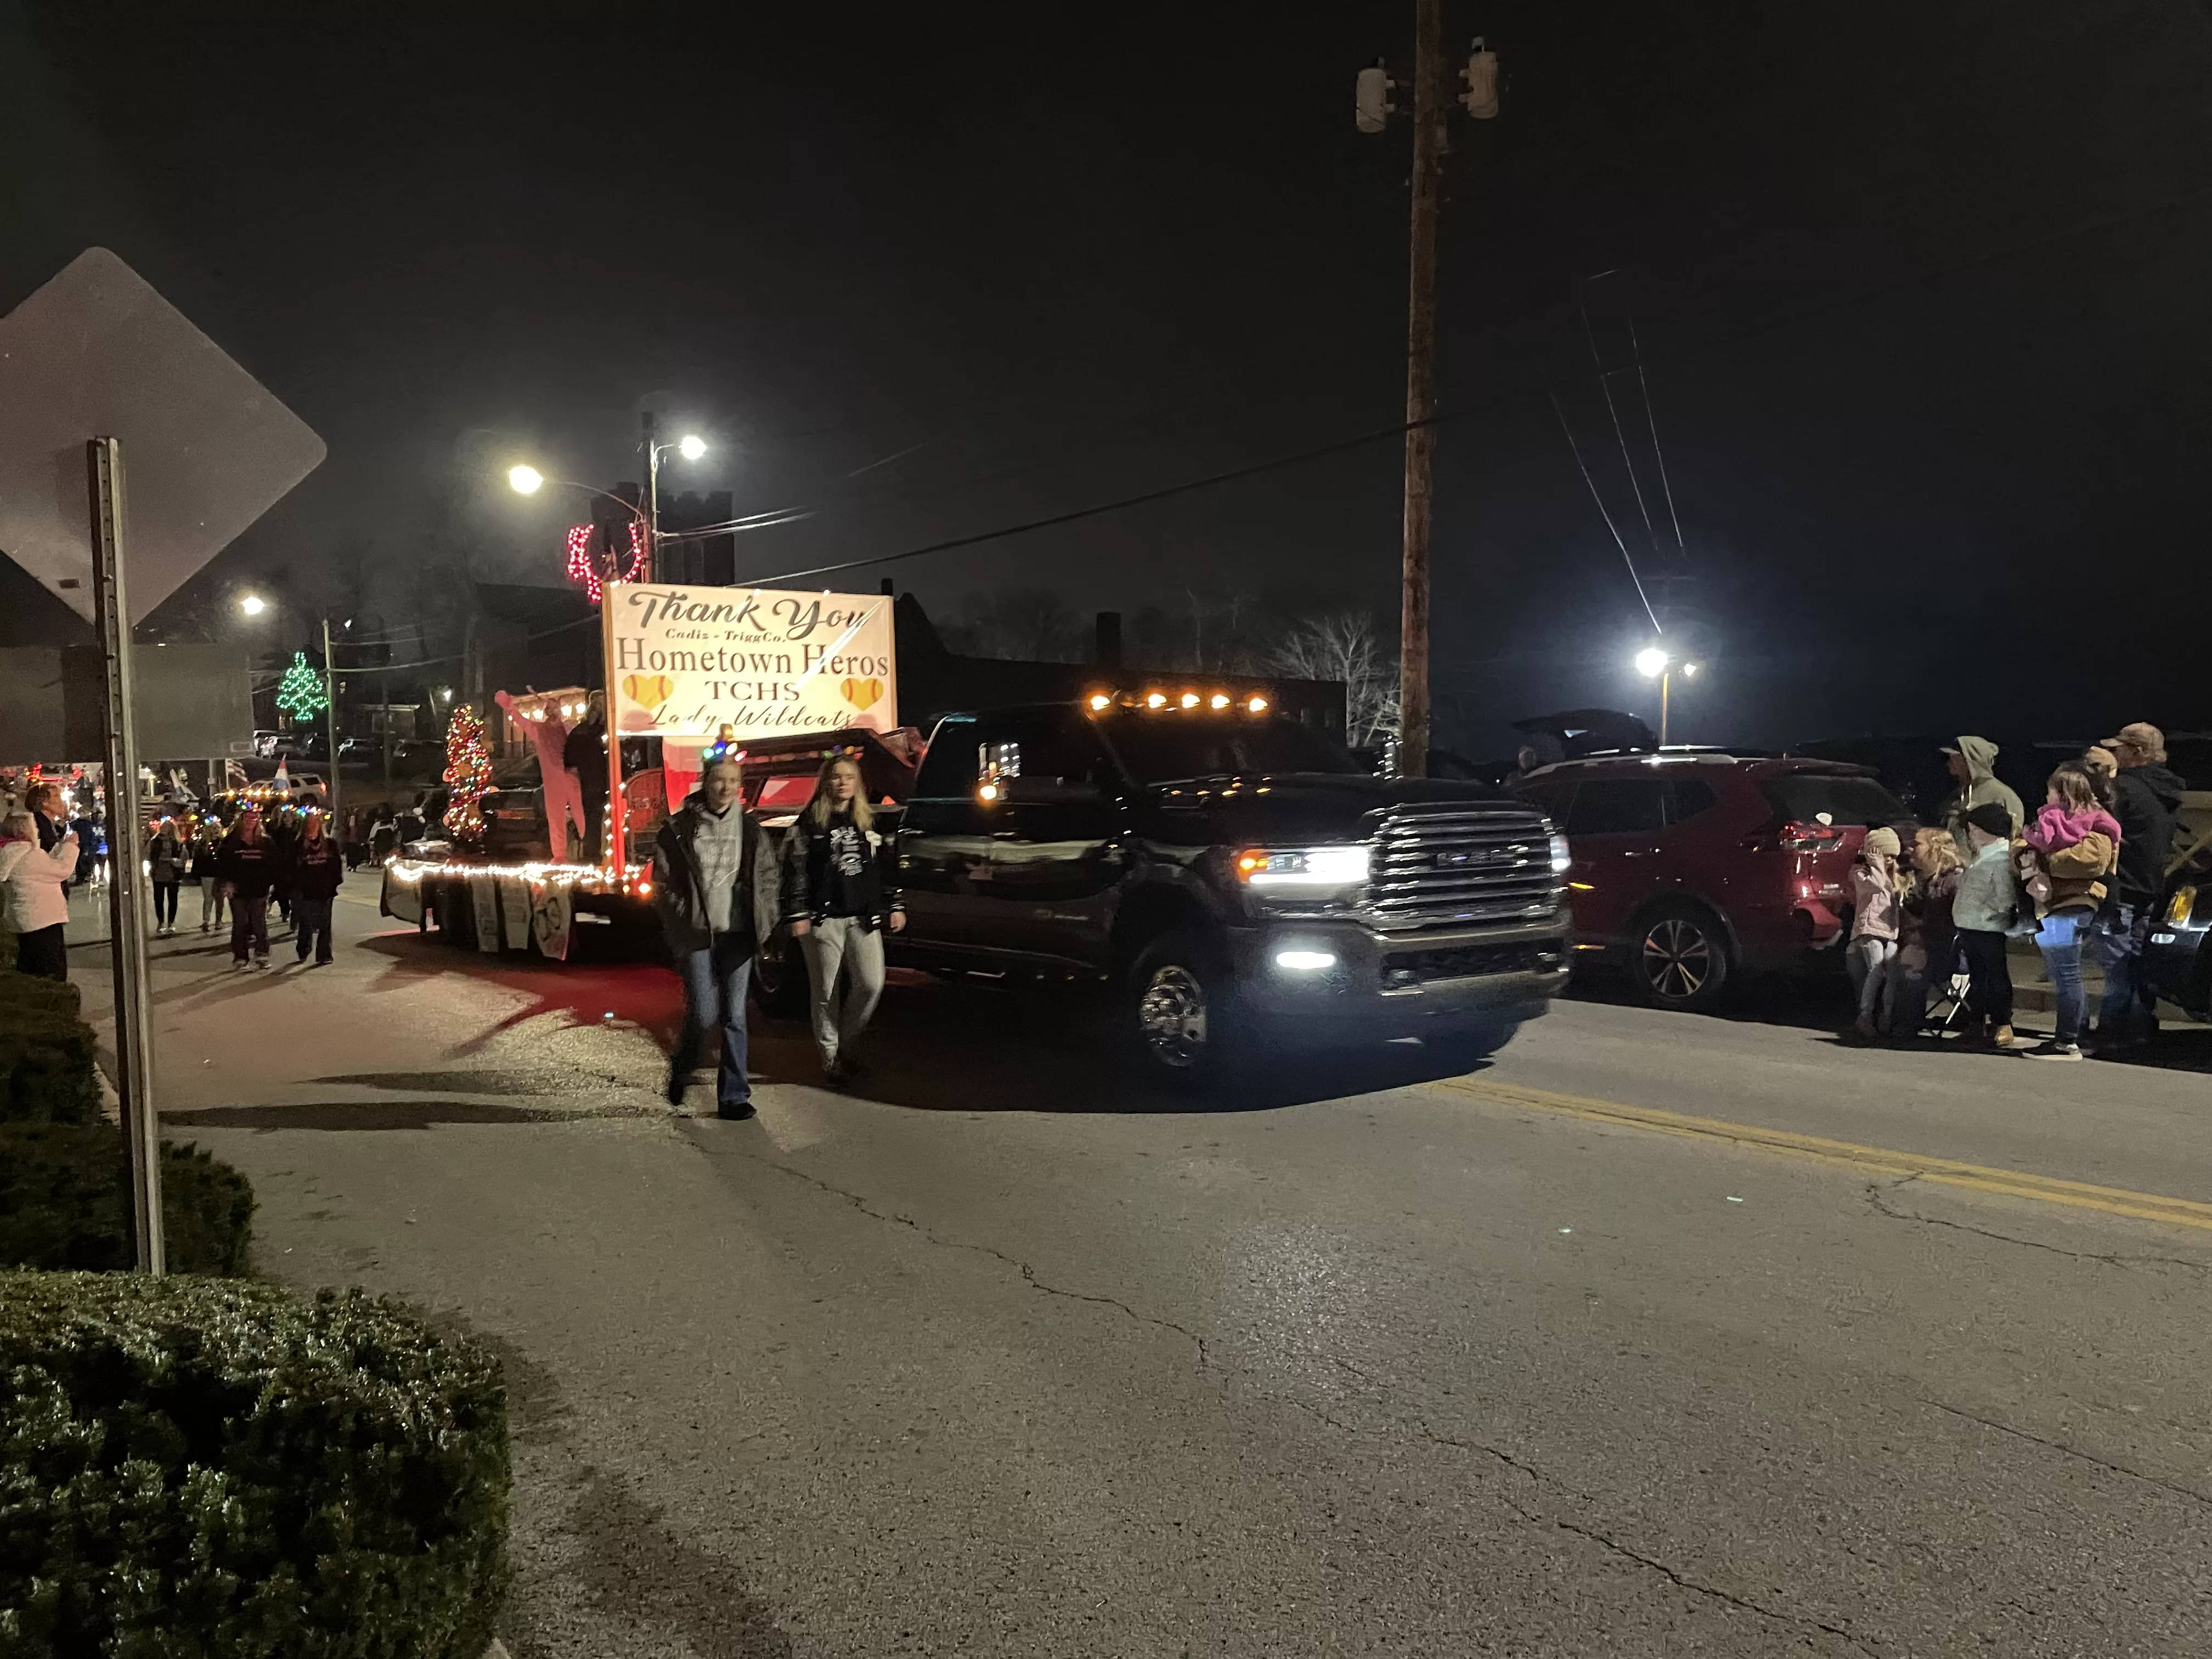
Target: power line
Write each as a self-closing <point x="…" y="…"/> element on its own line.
<point x="1607" y="517"/>
<point x="1230" y="477"/>
<point x="1652" y="419"/>
<point x="1605" y="384"/>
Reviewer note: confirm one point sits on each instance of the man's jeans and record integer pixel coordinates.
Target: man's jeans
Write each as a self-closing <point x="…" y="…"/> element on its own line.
<point x="714" y="981"/>
<point x="2126" y="1014"/>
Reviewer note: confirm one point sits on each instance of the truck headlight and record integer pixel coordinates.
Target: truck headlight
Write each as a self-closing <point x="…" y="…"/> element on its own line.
<point x="1561" y="858"/>
<point x="1305" y="867"/>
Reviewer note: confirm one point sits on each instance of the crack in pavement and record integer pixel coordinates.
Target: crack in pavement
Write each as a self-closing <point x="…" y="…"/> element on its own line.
<point x="1857" y="1644"/>
<point x="1206" y="1362"/>
<point x="1028" y="1272"/>
<point x="1877" y="1192"/>
<point x="2071" y="1451"/>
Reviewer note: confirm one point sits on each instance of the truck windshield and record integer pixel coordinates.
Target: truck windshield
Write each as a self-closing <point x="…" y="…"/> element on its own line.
<point x="1160" y="748"/>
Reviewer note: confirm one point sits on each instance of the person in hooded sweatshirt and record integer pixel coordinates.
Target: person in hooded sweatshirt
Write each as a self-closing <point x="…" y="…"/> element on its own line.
<point x="1972" y="764"/>
<point x="2145" y="793"/>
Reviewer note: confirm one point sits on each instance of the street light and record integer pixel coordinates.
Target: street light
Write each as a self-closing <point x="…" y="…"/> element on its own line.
<point x="527" y="480"/>
<point x="1654" y="663"/>
<point x="253" y="604"/>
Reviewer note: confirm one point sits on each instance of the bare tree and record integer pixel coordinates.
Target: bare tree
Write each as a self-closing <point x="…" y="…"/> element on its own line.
<point x="1031" y="624"/>
<point x="1342" y="645"/>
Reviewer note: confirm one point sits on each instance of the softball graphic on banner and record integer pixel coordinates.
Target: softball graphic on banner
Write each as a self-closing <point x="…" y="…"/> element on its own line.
<point x="685" y="662"/>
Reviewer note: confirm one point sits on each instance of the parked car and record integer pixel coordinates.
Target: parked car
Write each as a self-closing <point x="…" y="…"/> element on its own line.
<point x="1689" y="866"/>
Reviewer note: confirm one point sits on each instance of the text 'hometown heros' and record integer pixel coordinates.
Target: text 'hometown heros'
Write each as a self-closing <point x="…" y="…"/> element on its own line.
<point x="690" y="661"/>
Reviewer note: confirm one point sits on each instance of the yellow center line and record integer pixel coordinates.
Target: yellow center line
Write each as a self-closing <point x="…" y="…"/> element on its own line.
<point x="1881" y="1160"/>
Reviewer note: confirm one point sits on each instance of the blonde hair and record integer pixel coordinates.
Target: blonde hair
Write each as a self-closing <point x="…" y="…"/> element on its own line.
<point x="19" y="826"/>
<point x="1934" y="852"/>
<point x="820" y="807"/>
<point x="2075" y="788"/>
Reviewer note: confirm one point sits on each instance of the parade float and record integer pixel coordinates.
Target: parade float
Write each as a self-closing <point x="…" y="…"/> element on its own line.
<point x="779" y="679"/>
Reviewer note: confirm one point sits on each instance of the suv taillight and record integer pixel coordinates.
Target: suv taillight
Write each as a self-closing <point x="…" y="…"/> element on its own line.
<point x="1796" y="837"/>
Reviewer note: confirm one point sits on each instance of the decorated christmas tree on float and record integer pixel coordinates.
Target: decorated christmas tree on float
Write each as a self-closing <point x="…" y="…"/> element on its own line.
<point x="468" y="775"/>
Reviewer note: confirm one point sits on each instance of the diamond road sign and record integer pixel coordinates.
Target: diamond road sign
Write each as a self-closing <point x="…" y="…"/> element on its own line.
<point x="96" y="352"/>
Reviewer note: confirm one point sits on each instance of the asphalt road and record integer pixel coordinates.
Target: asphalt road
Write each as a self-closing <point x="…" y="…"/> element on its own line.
<point x="1660" y="1335"/>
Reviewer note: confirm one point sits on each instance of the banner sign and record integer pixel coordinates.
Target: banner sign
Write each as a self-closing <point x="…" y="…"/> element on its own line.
<point x="686" y="661"/>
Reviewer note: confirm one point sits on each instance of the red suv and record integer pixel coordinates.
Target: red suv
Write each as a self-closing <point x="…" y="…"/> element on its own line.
<point x="1689" y="866"/>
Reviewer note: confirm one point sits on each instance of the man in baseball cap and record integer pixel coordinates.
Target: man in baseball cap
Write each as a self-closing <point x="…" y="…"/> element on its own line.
<point x="2145" y="793"/>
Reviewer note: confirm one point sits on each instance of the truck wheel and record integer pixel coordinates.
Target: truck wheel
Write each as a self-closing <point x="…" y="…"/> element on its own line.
<point x="780" y="976"/>
<point x="1681" y="959"/>
<point x="1181" y="1015"/>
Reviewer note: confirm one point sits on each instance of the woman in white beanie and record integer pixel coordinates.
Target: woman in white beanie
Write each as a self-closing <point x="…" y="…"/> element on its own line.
<point x="1877" y="882"/>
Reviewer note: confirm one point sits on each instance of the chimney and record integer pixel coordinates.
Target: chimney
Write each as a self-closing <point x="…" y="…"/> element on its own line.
<point x="1107" y="653"/>
<point x="889" y="587"/>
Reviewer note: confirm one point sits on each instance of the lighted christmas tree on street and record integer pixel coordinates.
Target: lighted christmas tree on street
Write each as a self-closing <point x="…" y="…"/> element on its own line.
<point x="468" y="774"/>
<point x="303" y="695"/>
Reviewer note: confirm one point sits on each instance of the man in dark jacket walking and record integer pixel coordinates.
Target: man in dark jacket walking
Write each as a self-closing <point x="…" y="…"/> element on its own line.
<point x="316" y="867"/>
<point x="715" y="912"/>
<point x="2145" y="793"/>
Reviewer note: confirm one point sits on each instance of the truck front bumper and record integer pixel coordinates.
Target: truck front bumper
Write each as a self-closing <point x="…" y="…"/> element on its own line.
<point x="1323" y="980"/>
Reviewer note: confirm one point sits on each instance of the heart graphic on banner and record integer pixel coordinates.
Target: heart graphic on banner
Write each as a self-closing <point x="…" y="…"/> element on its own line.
<point x="651" y="689"/>
<point x="862" y="694"/>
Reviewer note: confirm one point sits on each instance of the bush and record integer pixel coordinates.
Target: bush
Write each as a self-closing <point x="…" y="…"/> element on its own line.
<point x="65" y="1203"/>
<point x="205" y="1467"/>
<point x="45" y="1053"/>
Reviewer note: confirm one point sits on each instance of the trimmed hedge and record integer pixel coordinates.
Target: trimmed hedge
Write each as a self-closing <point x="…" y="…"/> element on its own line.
<point x="204" y="1468"/>
<point x="65" y="1203"/>
<point x="45" y="1053"/>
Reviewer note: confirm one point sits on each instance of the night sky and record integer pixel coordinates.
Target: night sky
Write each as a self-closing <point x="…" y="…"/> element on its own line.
<point x="1921" y="292"/>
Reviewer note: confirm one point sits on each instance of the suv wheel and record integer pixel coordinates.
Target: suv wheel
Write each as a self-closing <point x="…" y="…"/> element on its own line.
<point x="1179" y="1017"/>
<point x="780" y="975"/>
<point x="1681" y="957"/>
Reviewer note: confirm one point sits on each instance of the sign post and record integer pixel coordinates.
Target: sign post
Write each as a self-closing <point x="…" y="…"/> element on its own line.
<point x="126" y="892"/>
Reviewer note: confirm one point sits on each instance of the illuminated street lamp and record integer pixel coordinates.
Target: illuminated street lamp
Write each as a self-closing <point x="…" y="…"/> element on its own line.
<point x="1654" y="663"/>
<point x="526" y="480"/>
<point x="253" y="604"/>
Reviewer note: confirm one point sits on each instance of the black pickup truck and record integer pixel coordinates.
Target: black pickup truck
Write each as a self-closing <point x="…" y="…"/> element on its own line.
<point x="1239" y="878"/>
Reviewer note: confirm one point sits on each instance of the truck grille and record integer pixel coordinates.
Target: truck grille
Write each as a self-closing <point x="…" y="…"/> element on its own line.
<point x="1451" y="864"/>
<point x="1409" y="969"/>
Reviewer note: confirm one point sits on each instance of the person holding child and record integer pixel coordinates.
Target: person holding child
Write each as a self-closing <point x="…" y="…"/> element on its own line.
<point x="2066" y="856"/>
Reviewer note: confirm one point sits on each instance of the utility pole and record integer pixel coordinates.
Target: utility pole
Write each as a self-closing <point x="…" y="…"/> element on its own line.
<point x="1429" y="142"/>
<point x="1431" y="139"/>
<point x="652" y="573"/>
<point x="331" y="715"/>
